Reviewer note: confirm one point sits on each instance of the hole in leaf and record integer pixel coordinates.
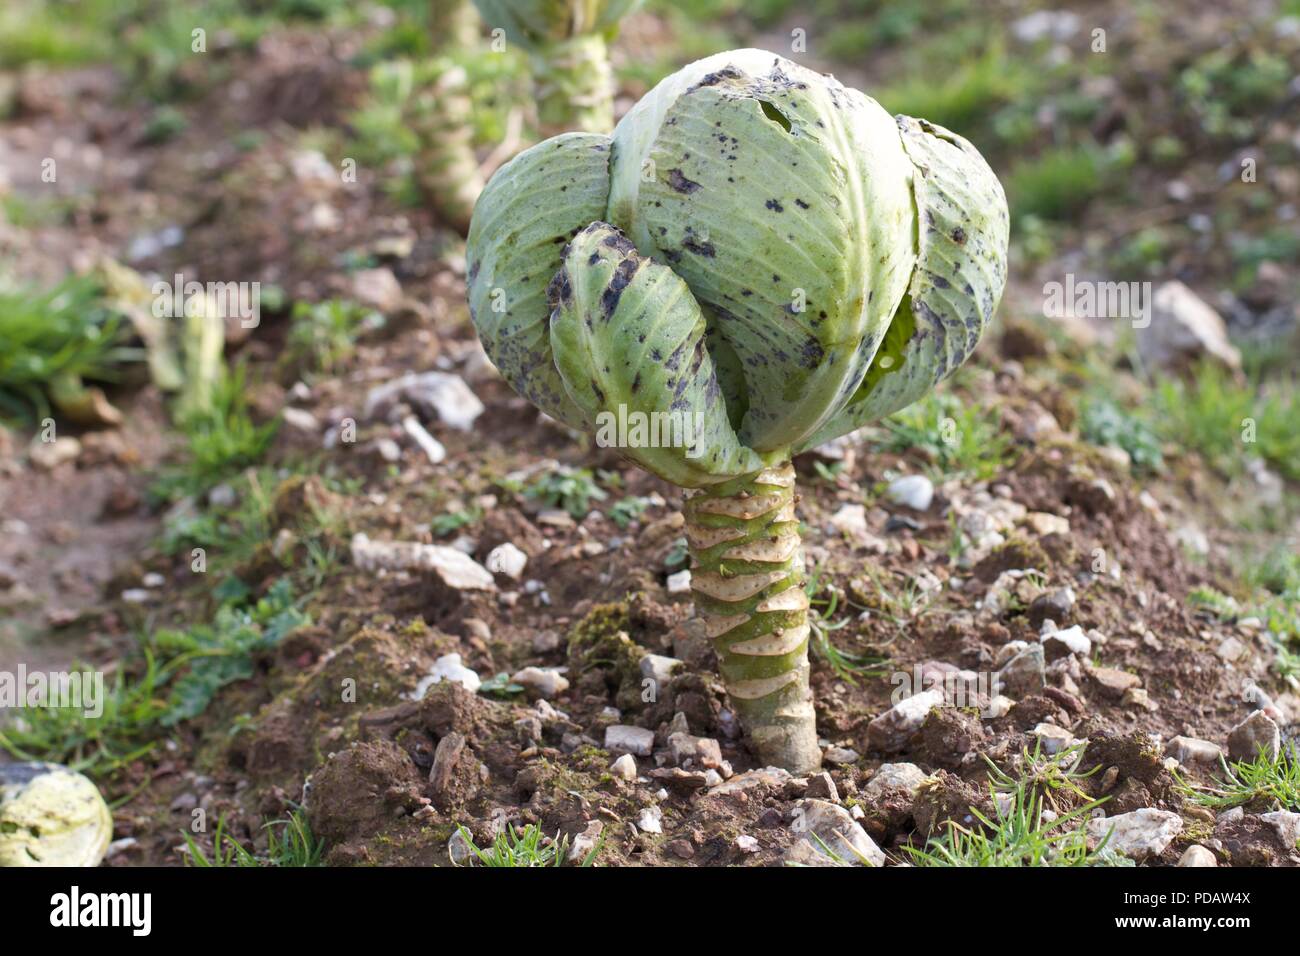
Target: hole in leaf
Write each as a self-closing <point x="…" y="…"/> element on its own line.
<point x="775" y="115"/>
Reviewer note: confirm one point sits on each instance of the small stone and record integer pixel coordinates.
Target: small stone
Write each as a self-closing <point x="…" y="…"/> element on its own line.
<point x="1140" y="834"/>
<point x="1138" y="697"/>
<point x="1230" y="649"/>
<point x="835" y="828"/>
<point x="822" y="786"/>
<point x="894" y="778"/>
<point x="624" y="767"/>
<point x="458" y="848"/>
<point x="541" y="682"/>
<point x="807" y="853"/>
<point x="695" y="751"/>
<point x="650" y="820"/>
<point x="447" y="667"/>
<point x="1182" y="329"/>
<point x="445" y="758"/>
<point x="1192" y="538"/>
<point x="1071" y="641"/>
<point x="569" y="742"/>
<point x="377" y="288"/>
<point x="891" y="730"/>
<point x="440" y="393"/>
<point x="681" y="849"/>
<point x="622" y="738"/>
<point x="456" y="569"/>
<point x="1006" y="652"/>
<point x="283" y="544"/>
<point x="851" y="522"/>
<point x="222" y="496"/>
<point x="765" y="776"/>
<point x="1118" y="457"/>
<point x="1197" y="855"/>
<point x="1024" y="674"/>
<point x="682" y="781"/>
<point x="48" y="455"/>
<point x="389" y="450"/>
<point x="1054" y="605"/>
<point x="1043" y="523"/>
<point x="118" y="847"/>
<point x="1052" y="738"/>
<point x="506" y="559"/>
<point x="432" y="448"/>
<point x="585" y="842"/>
<point x="301" y="420"/>
<point x="1192" y="750"/>
<point x="659" y="669"/>
<point x="770" y="819"/>
<point x="1097" y="496"/>
<point x="555" y="518"/>
<point x="1056" y="25"/>
<point x="528" y="730"/>
<point x="544" y="642"/>
<point x="746" y="844"/>
<point x="1037" y="425"/>
<point x="679" y="583"/>
<point x="1287" y="825"/>
<point x="1113" y="682"/>
<point x="842" y="756"/>
<point x="999" y="706"/>
<point x="911" y="491"/>
<point x="313" y="170"/>
<point x="1257" y="733"/>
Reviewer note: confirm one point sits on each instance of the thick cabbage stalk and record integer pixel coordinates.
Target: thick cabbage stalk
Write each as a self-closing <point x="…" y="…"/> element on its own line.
<point x="566" y="42"/>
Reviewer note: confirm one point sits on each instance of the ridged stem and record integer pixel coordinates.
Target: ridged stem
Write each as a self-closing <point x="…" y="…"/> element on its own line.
<point x="749" y="588"/>
<point x="446" y="168"/>
<point x="453" y="25"/>
<point x="573" y="85"/>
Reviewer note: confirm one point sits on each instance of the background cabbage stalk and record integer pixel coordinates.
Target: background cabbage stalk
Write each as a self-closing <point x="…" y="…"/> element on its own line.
<point x="452" y="23"/>
<point x="771" y="255"/>
<point x="440" y="114"/>
<point x="567" y="46"/>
